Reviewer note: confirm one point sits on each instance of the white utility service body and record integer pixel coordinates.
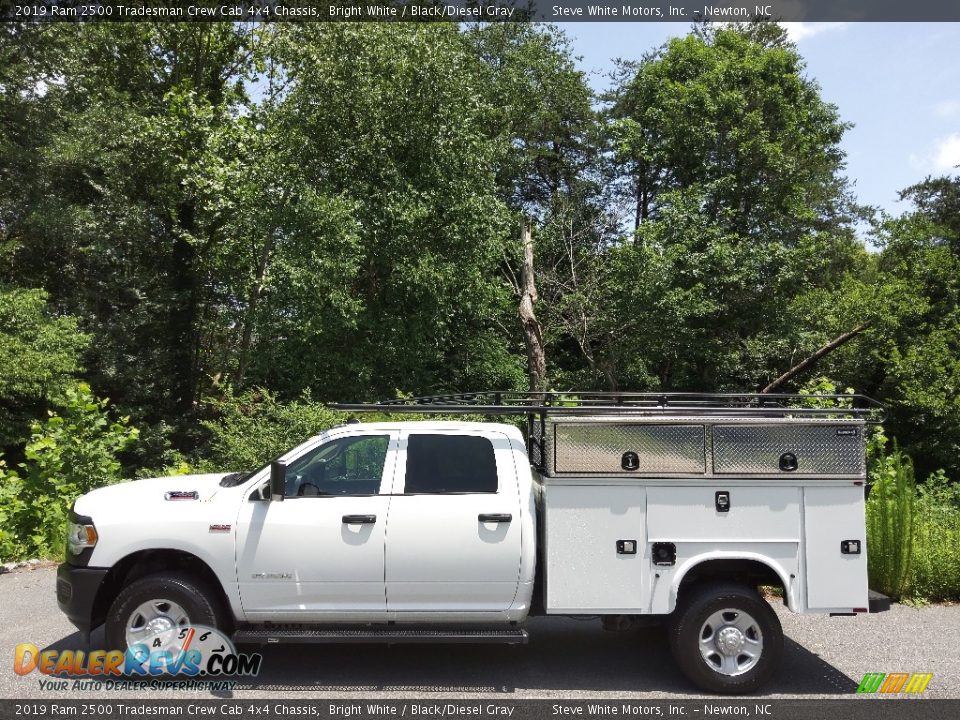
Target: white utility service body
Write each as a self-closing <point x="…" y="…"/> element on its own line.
<point x="440" y="531"/>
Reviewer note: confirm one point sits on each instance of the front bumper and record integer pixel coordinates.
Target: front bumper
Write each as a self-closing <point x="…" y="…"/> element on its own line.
<point x="77" y="592"/>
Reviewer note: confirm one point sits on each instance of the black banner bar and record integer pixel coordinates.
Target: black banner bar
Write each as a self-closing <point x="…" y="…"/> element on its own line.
<point x="239" y="708"/>
<point x="479" y="10"/>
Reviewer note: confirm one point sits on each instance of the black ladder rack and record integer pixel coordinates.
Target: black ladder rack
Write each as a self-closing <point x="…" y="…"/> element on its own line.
<point x="542" y="404"/>
<point x="537" y="406"/>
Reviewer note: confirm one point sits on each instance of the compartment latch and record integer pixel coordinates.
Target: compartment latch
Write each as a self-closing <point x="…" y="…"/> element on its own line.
<point x="721" y="501"/>
<point x="850" y="547"/>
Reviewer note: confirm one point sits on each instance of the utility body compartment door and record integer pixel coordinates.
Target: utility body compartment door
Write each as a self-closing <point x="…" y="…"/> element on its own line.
<point x="587" y="569"/>
<point x="836" y="580"/>
<point x="454" y="529"/>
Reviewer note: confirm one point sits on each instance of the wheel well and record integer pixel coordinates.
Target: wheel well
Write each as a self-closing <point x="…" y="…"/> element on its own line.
<point x="148" y="562"/>
<point x="749" y="572"/>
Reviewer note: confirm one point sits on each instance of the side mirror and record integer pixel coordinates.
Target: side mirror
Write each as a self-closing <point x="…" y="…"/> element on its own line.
<point x="278" y="480"/>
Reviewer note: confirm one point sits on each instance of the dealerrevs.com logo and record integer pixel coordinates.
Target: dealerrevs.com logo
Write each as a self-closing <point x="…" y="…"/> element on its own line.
<point x="894" y="683"/>
<point x="184" y="651"/>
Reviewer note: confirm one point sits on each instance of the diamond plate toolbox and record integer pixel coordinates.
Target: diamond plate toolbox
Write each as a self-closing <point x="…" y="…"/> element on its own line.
<point x="598" y="448"/>
<point x="825" y="449"/>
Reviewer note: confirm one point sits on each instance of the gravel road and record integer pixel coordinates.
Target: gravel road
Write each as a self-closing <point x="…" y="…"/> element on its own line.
<point x="825" y="657"/>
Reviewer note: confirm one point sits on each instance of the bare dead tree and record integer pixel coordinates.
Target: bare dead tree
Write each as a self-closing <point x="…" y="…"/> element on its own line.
<point x="812" y="358"/>
<point x="532" y="330"/>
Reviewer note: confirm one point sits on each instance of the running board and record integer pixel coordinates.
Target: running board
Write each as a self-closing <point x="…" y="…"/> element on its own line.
<point x="270" y="636"/>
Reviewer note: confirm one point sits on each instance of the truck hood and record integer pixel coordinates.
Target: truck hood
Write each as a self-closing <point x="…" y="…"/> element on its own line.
<point x="141" y="493"/>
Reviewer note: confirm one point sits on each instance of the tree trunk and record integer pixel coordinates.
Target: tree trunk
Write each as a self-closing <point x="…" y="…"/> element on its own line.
<point x="253" y="300"/>
<point x="532" y="330"/>
<point x="811" y="359"/>
<point x="182" y="320"/>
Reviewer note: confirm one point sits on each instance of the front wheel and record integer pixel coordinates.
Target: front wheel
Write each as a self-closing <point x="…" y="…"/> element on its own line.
<point x="153" y="609"/>
<point x="726" y="638"/>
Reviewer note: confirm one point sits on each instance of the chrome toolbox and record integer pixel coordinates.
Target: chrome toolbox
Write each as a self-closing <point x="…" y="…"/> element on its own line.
<point x="677" y="447"/>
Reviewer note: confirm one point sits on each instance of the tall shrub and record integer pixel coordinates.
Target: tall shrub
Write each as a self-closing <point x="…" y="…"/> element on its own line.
<point x="935" y="571"/>
<point x="69" y="454"/>
<point x="890" y="518"/>
<point x="12" y="506"/>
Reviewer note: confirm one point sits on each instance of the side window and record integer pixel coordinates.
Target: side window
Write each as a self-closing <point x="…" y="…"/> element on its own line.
<point x="450" y="464"/>
<point x="346" y="466"/>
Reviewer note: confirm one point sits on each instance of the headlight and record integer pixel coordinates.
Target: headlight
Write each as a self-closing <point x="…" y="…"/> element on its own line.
<point x="80" y="535"/>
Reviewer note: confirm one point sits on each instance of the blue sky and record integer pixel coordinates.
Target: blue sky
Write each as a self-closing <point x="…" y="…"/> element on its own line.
<point x="898" y="83"/>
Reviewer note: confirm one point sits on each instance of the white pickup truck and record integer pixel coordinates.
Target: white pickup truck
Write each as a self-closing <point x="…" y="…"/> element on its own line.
<point x="439" y="531"/>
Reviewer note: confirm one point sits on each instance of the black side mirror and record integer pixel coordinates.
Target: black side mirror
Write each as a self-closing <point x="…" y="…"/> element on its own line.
<point x="278" y="480"/>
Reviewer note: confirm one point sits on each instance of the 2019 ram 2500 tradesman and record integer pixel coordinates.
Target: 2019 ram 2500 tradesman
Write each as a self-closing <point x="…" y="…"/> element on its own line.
<point x="440" y="532"/>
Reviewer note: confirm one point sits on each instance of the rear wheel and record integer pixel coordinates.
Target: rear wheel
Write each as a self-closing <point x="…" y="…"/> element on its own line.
<point x="156" y="607"/>
<point x="726" y="638"/>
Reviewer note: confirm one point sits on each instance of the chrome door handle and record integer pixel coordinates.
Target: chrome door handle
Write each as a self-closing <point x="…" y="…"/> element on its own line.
<point x="359" y="519"/>
<point x="495" y="517"/>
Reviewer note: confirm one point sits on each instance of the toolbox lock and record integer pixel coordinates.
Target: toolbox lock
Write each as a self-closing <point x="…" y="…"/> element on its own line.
<point x="849" y="547"/>
<point x="664" y="553"/>
<point x="788" y="462"/>
<point x="722" y="500"/>
<point x="630" y="461"/>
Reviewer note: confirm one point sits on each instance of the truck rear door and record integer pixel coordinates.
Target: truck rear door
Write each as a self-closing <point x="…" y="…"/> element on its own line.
<point x="453" y="530"/>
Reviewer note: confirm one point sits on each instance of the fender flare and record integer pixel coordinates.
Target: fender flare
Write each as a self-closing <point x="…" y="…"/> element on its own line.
<point x="690" y="563"/>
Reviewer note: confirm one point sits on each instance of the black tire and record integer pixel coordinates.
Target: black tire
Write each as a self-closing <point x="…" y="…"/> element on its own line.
<point x="689" y="625"/>
<point x="200" y="604"/>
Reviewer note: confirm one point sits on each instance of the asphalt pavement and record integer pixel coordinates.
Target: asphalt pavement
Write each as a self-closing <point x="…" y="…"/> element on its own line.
<point x="566" y="658"/>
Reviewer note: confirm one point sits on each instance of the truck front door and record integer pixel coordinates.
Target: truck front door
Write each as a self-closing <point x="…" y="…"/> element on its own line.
<point x="453" y="533"/>
<point x="318" y="555"/>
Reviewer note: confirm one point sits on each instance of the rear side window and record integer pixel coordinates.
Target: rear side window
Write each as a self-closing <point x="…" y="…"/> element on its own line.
<point x="450" y="464"/>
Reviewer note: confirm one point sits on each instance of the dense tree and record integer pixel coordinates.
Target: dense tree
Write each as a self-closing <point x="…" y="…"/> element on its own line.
<point x="741" y="209"/>
<point x="115" y="217"/>
<point x="333" y="211"/>
<point x="917" y="363"/>
<point x="398" y="171"/>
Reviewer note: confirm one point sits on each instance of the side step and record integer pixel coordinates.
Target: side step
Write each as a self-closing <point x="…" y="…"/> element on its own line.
<point x="270" y="636"/>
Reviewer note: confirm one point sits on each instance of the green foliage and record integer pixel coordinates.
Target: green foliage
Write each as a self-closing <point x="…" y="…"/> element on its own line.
<point x="890" y="518"/>
<point x="399" y="229"/>
<point x="919" y="357"/>
<point x="249" y="429"/>
<point x="936" y="550"/>
<point x="730" y="113"/>
<point x="740" y="211"/>
<point x="254" y="427"/>
<point x="13" y="507"/>
<point x="39" y="357"/>
<point x="72" y="452"/>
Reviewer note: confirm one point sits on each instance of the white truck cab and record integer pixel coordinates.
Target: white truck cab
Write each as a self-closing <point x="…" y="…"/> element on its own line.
<point x="440" y="531"/>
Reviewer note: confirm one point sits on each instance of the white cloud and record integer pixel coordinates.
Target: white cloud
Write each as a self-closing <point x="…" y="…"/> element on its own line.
<point x="801" y="30"/>
<point x="947" y="108"/>
<point x="947" y="153"/>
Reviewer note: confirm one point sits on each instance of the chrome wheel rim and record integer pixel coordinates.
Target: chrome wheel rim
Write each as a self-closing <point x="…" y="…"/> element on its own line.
<point x="156" y="619"/>
<point x="731" y="642"/>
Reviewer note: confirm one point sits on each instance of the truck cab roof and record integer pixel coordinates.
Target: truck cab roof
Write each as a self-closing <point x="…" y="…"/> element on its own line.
<point x="438" y="426"/>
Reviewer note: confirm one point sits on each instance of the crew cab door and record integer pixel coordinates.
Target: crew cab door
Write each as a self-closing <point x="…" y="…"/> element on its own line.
<point x="318" y="555"/>
<point x="453" y="533"/>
